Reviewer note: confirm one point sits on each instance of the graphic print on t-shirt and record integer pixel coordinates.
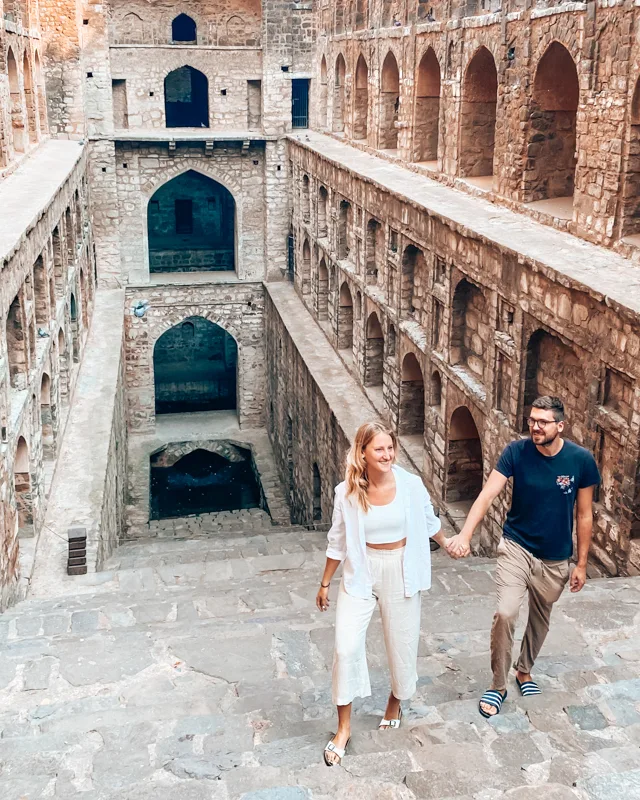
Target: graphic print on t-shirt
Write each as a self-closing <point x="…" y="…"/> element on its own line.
<point x="565" y="482"/>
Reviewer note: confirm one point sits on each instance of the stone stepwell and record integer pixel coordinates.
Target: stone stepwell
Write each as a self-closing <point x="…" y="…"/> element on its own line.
<point x="198" y="668"/>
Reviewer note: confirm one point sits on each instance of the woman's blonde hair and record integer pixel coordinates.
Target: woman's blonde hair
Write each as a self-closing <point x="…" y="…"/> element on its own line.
<point x="356" y="476"/>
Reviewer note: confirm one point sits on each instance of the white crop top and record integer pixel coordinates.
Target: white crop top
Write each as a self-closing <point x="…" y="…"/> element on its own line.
<point x="385" y="524"/>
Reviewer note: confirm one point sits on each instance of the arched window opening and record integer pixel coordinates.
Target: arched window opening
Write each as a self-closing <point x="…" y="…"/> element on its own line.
<point x="631" y="194"/>
<point x="551" y="154"/>
<point x="410" y="259"/>
<point x="478" y="116"/>
<point x="338" y="95"/>
<point x="427" y="110"/>
<point x="362" y="11"/>
<point x="374" y="246"/>
<point x="17" y="111"/>
<point x="436" y="389"/>
<point x="374" y="352"/>
<point x="411" y="421"/>
<point x="306" y="199"/>
<point x="29" y="99"/>
<point x="323" y="94"/>
<point x="41" y="290"/>
<point x="345" y="319"/>
<point x="41" y="96"/>
<point x="361" y="106"/>
<point x="22" y="486"/>
<point x="17" y="344"/>
<point x="186" y="99"/>
<point x="203" y="481"/>
<point x="469" y="328"/>
<point x="323" y="213"/>
<point x="552" y="368"/>
<point x="194" y="366"/>
<point x="47" y="418"/>
<point x="183" y="30"/>
<point x="322" y="302"/>
<point x="191" y="225"/>
<point x="344" y="219"/>
<point x="63" y="367"/>
<point x="464" y="458"/>
<point x="306" y="265"/>
<point x="389" y="104"/>
<point x="317" y="494"/>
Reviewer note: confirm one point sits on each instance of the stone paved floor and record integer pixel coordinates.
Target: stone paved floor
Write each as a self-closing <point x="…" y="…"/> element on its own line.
<point x="199" y="669"/>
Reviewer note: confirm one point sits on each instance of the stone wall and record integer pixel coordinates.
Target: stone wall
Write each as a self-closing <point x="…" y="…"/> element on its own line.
<point x="527" y="147"/>
<point x="495" y="329"/>
<point x="235" y="307"/>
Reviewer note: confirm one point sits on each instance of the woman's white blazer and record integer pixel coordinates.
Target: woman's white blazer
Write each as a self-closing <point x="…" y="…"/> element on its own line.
<point x="347" y="541"/>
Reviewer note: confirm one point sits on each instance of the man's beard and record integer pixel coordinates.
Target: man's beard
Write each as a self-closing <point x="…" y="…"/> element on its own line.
<point x="547" y="440"/>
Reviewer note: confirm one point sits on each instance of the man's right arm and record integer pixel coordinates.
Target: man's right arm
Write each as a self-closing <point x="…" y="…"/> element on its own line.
<point x="458" y="546"/>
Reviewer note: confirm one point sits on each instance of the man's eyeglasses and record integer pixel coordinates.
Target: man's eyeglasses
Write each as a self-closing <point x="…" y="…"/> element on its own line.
<point x="541" y="423"/>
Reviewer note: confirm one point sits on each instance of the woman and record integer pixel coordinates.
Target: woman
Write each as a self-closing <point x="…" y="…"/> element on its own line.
<point x="382" y="521"/>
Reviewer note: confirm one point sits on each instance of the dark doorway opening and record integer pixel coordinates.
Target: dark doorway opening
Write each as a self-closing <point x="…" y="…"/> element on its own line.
<point x="300" y="103"/>
<point x="183" y="29"/>
<point x="186" y="99"/>
<point x="194" y="365"/>
<point x="191" y="225"/>
<point x="202" y="482"/>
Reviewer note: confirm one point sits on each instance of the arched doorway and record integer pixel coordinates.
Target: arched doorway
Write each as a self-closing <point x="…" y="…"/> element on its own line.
<point x="322" y="303"/>
<point x="22" y="485"/>
<point x="183" y="30"/>
<point x="411" y="416"/>
<point x="186" y="99"/>
<point x="194" y="368"/>
<point x="17" y="111"/>
<point x="40" y="95"/>
<point x="46" y="418"/>
<point x="464" y="458"/>
<point x="323" y="213"/>
<point x="551" y="163"/>
<point x="427" y="114"/>
<point x="17" y="344"/>
<point x="373" y="352"/>
<point x="478" y="115"/>
<point x="345" y="319"/>
<point x="322" y="95"/>
<point x="73" y="319"/>
<point x="191" y="225"/>
<point x="361" y="107"/>
<point x="29" y="99"/>
<point x="389" y="104"/>
<point x="344" y="220"/>
<point x="412" y="267"/>
<point x="468" y="321"/>
<point x="338" y="94"/>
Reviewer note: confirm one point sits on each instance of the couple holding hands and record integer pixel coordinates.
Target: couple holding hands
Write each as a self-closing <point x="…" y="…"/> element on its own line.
<point x="382" y="523"/>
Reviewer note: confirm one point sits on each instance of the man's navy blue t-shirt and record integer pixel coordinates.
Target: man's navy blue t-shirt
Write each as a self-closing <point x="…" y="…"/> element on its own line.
<point x="545" y="489"/>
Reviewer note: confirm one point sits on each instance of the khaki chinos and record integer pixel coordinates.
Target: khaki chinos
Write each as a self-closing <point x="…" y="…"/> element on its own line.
<point x="519" y="572"/>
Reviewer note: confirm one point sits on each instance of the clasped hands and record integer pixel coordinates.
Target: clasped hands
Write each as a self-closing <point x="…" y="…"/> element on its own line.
<point x="457" y="547"/>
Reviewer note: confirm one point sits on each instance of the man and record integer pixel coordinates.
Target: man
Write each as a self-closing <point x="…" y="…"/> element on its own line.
<point x="550" y="474"/>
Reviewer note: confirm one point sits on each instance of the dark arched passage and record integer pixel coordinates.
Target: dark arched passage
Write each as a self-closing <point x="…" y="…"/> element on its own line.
<point x="194" y="366"/>
<point x="191" y="225"/>
<point x="186" y="98"/>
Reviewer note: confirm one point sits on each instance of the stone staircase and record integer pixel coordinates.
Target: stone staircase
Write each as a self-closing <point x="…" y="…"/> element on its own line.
<point x="197" y="667"/>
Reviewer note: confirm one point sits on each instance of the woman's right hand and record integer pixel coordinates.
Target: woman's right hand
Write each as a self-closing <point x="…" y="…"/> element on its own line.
<point x="322" y="598"/>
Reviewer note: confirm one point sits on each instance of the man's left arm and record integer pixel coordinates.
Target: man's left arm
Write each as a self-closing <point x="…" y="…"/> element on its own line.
<point x="584" y="526"/>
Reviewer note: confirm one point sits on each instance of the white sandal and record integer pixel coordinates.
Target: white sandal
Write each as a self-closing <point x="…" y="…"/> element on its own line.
<point x="332" y="748"/>
<point x="385" y="723"/>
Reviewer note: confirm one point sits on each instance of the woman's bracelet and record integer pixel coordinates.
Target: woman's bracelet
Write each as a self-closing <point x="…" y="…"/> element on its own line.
<point x="325" y="587"/>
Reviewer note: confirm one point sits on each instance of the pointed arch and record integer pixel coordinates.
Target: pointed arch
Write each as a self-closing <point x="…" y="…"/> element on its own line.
<point x="339" y="94"/>
<point x="323" y="94"/>
<point x="373" y="352"/>
<point x="29" y="99"/>
<point x="183" y="30"/>
<point x="427" y="108"/>
<point x="23" y="488"/>
<point x="389" y="103"/>
<point x="345" y="318"/>
<point x="361" y="105"/>
<point x="322" y="291"/>
<point x="411" y="411"/>
<point x="478" y="115"/>
<point x="464" y="458"/>
<point x="551" y="154"/>
<point x="15" y="96"/>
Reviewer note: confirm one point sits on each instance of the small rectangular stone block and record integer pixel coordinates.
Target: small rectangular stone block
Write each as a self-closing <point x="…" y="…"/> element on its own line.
<point x="77" y="544"/>
<point x="75" y="562"/>
<point x="80" y="569"/>
<point x="76" y="533"/>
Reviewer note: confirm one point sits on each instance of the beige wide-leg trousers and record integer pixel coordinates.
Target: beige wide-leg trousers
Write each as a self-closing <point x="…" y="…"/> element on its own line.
<point x="401" y="627"/>
<point x="519" y="572"/>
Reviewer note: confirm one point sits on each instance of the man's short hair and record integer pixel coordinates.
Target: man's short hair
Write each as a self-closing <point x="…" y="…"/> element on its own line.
<point x="549" y="403"/>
